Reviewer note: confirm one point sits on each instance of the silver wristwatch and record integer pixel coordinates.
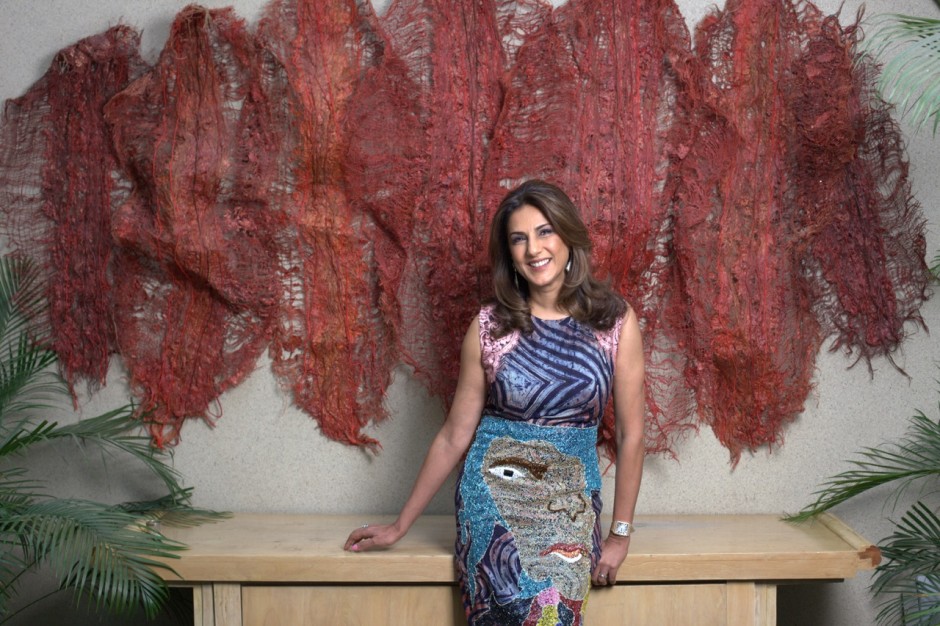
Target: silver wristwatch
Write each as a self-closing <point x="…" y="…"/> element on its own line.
<point x="622" y="529"/>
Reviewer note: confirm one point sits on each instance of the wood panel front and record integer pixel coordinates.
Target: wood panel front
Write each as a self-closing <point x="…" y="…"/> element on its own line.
<point x="365" y="605"/>
<point x="707" y="604"/>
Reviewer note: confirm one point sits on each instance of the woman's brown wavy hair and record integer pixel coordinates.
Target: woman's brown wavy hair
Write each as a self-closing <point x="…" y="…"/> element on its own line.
<point x="585" y="298"/>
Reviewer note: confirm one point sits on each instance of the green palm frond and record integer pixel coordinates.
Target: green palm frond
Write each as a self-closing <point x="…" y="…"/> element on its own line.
<point x="119" y="431"/>
<point x="909" y="575"/>
<point x="16" y="491"/>
<point x="103" y="550"/>
<point x="12" y="565"/>
<point x="25" y="383"/>
<point x="911" y="76"/>
<point x="935" y="267"/>
<point x="22" y="433"/>
<point x="914" y="457"/>
<point x="174" y="510"/>
<point x="22" y="301"/>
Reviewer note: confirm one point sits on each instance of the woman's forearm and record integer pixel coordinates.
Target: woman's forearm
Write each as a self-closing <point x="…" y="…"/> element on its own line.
<point x="629" y="474"/>
<point x="441" y="459"/>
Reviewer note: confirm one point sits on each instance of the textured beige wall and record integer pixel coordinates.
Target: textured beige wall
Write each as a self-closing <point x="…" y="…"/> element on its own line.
<point x="265" y="455"/>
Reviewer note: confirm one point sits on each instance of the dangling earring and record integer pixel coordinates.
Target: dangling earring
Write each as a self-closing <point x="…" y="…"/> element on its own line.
<point x="568" y="266"/>
<point x="515" y="277"/>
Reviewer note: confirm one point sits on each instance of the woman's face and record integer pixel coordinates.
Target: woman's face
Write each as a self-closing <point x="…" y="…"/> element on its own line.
<point x="538" y="252"/>
<point x="540" y="493"/>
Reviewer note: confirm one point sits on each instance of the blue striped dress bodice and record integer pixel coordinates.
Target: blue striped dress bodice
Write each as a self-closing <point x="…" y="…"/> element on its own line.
<point x="557" y="375"/>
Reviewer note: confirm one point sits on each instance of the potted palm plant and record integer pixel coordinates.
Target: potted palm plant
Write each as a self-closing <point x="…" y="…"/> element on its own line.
<point x="908" y="579"/>
<point x="106" y="553"/>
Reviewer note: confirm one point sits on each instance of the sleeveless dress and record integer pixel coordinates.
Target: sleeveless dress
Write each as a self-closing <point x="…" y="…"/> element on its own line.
<point x="528" y="497"/>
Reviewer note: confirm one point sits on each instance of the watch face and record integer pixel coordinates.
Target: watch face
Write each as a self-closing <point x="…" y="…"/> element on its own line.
<point x="622" y="528"/>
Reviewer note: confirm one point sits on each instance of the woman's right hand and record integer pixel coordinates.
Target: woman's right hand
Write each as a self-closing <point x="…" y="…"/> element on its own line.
<point x="372" y="537"/>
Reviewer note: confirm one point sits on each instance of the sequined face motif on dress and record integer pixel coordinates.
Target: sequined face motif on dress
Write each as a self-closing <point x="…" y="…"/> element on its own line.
<point x="540" y="493"/>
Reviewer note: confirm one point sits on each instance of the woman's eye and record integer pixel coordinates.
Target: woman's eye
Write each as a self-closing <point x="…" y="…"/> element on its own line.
<point x="516" y="239"/>
<point x="545" y="232"/>
<point x="508" y="472"/>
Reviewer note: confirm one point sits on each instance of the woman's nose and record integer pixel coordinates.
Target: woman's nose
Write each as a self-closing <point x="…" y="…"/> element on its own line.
<point x="534" y="246"/>
<point x="572" y="502"/>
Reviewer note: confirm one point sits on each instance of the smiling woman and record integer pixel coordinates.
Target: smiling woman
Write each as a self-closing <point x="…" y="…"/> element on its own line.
<point x="538" y="367"/>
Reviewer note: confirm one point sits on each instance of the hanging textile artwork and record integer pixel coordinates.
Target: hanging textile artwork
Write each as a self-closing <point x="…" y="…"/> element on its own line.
<point x="59" y="181"/>
<point x="776" y="173"/>
<point x="332" y="346"/>
<point x="456" y="55"/>
<point x="194" y="275"/>
<point x="321" y="187"/>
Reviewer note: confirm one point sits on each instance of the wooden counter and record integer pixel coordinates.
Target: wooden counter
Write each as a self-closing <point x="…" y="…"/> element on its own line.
<point x="255" y="570"/>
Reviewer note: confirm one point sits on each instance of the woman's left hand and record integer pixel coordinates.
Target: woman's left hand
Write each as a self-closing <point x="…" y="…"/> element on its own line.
<point x="372" y="537"/>
<point x="613" y="552"/>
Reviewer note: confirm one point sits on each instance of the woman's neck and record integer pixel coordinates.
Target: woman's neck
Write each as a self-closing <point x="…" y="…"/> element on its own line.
<point x="545" y="306"/>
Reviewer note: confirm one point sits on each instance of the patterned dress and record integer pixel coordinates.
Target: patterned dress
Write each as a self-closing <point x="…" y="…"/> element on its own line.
<point x="528" y="499"/>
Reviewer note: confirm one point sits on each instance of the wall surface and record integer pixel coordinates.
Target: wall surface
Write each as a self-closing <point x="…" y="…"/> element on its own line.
<point x="265" y="455"/>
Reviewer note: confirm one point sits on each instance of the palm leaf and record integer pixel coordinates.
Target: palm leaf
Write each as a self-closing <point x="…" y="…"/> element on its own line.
<point x="22" y="302"/>
<point x="111" y="553"/>
<point x="914" y="457"/>
<point x="911" y="77"/>
<point x="21" y="434"/>
<point x="107" y="552"/>
<point x="16" y="491"/>
<point x="24" y="385"/>
<point x="909" y="573"/>
<point x="174" y="510"/>
<point x="12" y="565"/>
<point x="119" y="431"/>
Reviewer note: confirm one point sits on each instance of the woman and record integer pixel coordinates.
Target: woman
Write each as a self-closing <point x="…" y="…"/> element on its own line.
<point x="537" y="368"/>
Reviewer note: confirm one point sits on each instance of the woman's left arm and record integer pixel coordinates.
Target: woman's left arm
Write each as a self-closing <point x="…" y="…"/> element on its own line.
<point x="630" y="411"/>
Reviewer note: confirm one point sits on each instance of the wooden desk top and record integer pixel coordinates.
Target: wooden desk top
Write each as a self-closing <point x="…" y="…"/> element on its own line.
<point x="308" y="549"/>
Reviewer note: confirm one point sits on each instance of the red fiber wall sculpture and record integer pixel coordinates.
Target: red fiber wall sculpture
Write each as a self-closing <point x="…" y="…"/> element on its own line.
<point x="195" y="280"/>
<point x="321" y="188"/>
<point x="332" y="346"/>
<point x="58" y="182"/>
<point x="457" y="54"/>
<point x="850" y="178"/>
<point x="785" y="169"/>
<point x="754" y="335"/>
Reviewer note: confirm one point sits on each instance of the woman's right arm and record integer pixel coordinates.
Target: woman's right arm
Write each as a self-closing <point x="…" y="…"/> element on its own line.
<point x="447" y="449"/>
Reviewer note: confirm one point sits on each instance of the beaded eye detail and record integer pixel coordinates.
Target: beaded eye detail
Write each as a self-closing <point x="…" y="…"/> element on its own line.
<point x="509" y="472"/>
<point x="513" y="469"/>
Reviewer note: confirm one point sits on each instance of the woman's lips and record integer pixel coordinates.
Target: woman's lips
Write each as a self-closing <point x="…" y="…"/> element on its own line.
<point x="568" y="552"/>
